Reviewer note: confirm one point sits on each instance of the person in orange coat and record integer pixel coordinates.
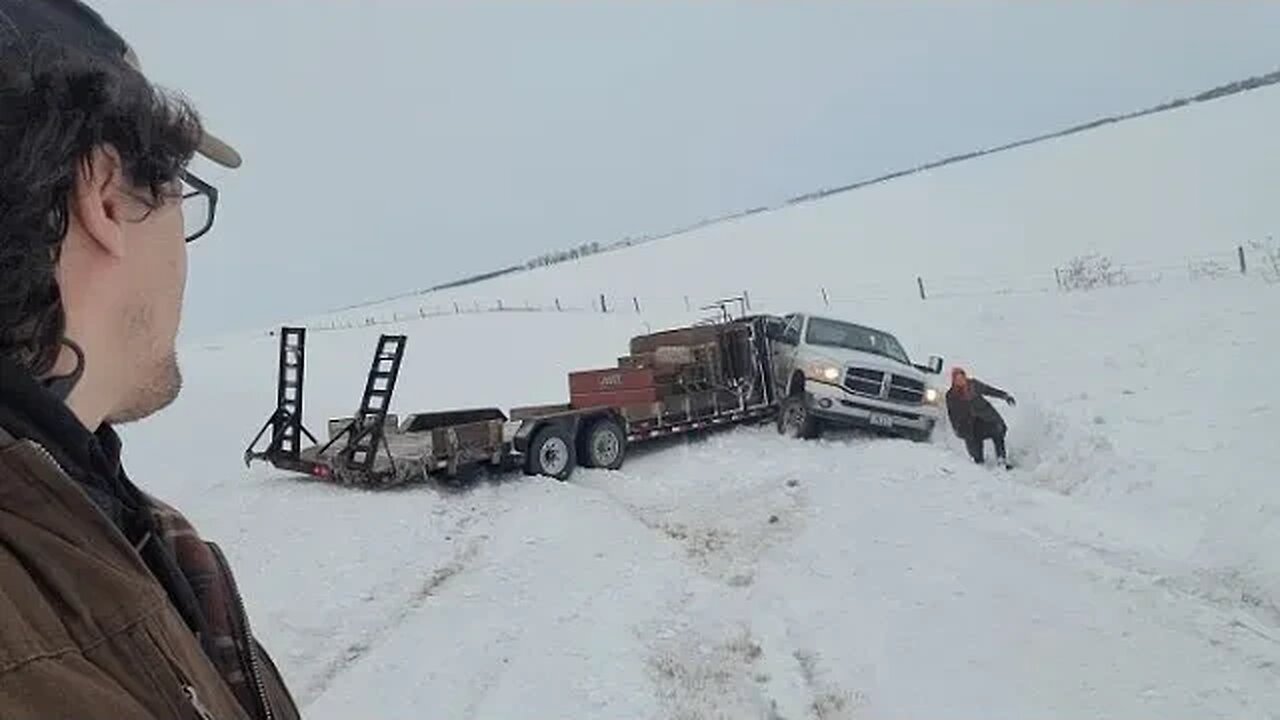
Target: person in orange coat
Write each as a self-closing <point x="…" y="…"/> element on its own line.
<point x="973" y="418"/>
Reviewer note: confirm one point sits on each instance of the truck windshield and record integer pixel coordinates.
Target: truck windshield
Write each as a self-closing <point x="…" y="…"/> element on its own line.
<point x="833" y="333"/>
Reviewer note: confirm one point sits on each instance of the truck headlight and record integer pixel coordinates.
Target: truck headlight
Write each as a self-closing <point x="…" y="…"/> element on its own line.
<point x="931" y="395"/>
<point x="823" y="371"/>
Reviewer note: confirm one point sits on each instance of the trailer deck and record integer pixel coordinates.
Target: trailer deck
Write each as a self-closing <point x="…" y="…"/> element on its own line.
<point x="674" y="382"/>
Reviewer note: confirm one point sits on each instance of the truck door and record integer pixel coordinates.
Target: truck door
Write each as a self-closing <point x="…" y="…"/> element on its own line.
<point x="785" y="349"/>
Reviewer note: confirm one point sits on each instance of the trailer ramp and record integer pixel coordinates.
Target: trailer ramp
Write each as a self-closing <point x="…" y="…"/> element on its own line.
<point x="285" y="423"/>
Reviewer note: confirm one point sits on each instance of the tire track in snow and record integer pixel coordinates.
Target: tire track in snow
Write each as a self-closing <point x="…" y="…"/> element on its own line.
<point x="1223" y="595"/>
<point x="725" y="519"/>
<point x="739" y="675"/>
<point x="727" y="515"/>
<point x="375" y="635"/>
<point x="830" y="701"/>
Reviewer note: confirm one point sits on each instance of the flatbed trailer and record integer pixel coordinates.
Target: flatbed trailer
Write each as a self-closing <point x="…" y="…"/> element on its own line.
<point x="726" y="381"/>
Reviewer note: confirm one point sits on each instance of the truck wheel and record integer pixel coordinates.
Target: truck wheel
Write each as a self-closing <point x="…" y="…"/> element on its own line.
<point x="795" y="420"/>
<point x="603" y="445"/>
<point x="552" y="453"/>
<point x="920" y="436"/>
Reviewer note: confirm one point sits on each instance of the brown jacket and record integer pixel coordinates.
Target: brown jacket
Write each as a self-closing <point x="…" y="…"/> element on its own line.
<point x="86" y="630"/>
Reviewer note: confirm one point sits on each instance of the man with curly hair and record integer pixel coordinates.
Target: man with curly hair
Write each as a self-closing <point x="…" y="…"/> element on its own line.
<point x="111" y="605"/>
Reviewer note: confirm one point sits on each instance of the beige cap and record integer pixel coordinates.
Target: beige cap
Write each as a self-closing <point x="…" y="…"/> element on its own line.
<point x="211" y="146"/>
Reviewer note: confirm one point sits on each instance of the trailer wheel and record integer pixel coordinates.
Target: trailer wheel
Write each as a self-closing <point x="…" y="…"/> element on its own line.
<point x="603" y="444"/>
<point x="552" y="453"/>
<point x="795" y="420"/>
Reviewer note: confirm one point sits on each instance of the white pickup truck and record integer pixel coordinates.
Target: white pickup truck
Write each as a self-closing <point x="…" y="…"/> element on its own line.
<point x="833" y="372"/>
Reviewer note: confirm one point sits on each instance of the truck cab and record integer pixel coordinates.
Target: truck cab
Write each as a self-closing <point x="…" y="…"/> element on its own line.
<point x="831" y="372"/>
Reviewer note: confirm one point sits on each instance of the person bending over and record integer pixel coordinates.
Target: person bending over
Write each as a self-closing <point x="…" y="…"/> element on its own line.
<point x="973" y="418"/>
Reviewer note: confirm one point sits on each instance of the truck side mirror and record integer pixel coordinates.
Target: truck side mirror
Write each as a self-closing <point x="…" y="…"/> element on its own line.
<point x="935" y="364"/>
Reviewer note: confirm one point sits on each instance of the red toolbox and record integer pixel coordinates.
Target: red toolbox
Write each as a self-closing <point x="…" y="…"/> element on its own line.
<point x="615" y="387"/>
<point x="594" y="381"/>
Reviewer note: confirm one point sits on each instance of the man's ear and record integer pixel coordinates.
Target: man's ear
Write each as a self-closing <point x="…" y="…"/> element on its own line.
<point x="97" y="204"/>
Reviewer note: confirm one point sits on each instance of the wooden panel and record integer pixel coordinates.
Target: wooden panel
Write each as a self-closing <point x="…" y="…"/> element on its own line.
<point x="615" y="398"/>
<point x="474" y="440"/>
<point x="641" y="411"/>
<point x="594" y="381"/>
<point x="698" y="335"/>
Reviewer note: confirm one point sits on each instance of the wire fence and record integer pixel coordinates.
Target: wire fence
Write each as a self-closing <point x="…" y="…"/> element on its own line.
<point x="1083" y="273"/>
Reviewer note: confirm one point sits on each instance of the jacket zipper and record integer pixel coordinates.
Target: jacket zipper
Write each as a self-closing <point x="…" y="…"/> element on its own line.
<point x="197" y="703"/>
<point x="255" y="670"/>
<point x="47" y="456"/>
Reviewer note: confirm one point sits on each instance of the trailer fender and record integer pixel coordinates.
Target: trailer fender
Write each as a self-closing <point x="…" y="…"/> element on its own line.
<point x="530" y="428"/>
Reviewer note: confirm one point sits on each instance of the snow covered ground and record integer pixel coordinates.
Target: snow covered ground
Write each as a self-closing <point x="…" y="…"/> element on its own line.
<point x="1127" y="568"/>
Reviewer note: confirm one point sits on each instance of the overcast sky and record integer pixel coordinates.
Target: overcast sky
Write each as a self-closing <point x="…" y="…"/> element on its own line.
<point x="394" y="145"/>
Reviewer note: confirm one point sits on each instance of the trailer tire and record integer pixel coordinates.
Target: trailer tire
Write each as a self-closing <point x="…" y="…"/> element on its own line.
<point x="795" y="420"/>
<point x="603" y="444"/>
<point x="552" y="453"/>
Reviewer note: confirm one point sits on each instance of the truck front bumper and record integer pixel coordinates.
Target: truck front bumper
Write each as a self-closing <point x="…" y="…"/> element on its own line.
<point x="835" y="405"/>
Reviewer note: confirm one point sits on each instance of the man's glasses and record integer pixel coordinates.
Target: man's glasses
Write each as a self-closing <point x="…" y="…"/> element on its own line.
<point x="199" y="203"/>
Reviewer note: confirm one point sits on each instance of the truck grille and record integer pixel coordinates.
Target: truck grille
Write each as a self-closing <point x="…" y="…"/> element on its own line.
<point x="870" y="383"/>
<point x="905" y="389"/>
<point x="864" y="381"/>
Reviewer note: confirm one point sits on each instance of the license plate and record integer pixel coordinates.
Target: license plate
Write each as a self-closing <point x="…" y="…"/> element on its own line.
<point x="881" y="420"/>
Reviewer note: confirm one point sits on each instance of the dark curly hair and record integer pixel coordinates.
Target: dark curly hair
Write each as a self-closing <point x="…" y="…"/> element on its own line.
<point x="57" y="105"/>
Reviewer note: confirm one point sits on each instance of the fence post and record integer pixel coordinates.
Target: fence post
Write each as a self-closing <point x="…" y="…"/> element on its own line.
<point x="1244" y="270"/>
<point x="499" y="303"/>
<point x="604" y="308"/>
<point x="636" y="300"/>
<point x="825" y="300"/>
<point x="558" y="308"/>
<point x="456" y="310"/>
<point x="746" y="299"/>
<point x="920" y="282"/>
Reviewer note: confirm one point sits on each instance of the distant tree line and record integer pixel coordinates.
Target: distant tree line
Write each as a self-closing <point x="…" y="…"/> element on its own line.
<point x="559" y="256"/>
<point x="595" y="247"/>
